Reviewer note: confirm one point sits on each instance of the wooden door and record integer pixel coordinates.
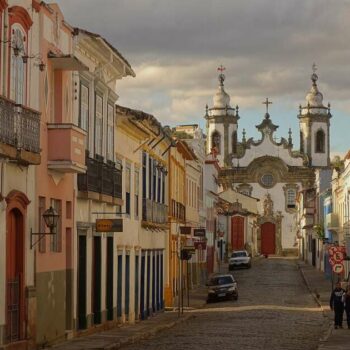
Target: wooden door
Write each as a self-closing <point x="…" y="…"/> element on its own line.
<point x="237" y="232"/>
<point x="15" y="277"/>
<point x="96" y="280"/>
<point x="268" y="233"/>
<point x="82" y="264"/>
<point x="109" y="279"/>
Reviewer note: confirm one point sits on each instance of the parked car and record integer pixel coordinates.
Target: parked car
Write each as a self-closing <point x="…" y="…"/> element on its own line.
<point x="222" y="286"/>
<point x="240" y="258"/>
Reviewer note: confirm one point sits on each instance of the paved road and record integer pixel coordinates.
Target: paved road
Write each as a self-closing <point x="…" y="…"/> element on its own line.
<point x="274" y="311"/>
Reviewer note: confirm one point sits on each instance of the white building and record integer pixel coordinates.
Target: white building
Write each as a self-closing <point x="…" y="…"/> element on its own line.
<point x="267" y="168"/>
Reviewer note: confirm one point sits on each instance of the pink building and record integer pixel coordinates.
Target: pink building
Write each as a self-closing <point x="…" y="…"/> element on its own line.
<point x="63" y="156"/>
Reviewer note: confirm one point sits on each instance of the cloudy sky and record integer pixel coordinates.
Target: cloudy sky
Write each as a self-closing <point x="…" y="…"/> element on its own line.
<point x="267" y="47"/>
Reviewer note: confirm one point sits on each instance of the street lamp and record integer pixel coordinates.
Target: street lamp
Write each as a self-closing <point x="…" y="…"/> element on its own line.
<point x="51" y="219"/>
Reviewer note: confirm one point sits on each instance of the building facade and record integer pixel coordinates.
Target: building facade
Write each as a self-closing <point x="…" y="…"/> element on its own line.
<point x="268" y="168"/>
<point x="98" y="192"/>
<point x="19" y="156"/>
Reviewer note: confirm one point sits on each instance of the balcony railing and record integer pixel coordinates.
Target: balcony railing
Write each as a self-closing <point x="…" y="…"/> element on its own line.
<point x="102" y="178"/>
<point x="154" y="212"/>
<point x="19" y="126"/>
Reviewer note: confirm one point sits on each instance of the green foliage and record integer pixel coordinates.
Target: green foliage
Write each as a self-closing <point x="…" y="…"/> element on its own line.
<point x="319" y="229"/>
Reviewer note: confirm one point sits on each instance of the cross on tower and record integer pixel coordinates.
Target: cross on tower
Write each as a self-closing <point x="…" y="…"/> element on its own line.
<point x="221" y="75"/>
<point x="314" y="67"/>
<point x="221" y="68"/>
<point x="267" y="103"/>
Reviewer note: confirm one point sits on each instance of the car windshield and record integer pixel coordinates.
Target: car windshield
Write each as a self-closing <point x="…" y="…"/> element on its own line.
<point x="215" y="281"/>
<point x="238" y="254"/>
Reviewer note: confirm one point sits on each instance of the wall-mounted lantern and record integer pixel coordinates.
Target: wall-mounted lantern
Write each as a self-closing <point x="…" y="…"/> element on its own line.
<point x="51" y="219"/>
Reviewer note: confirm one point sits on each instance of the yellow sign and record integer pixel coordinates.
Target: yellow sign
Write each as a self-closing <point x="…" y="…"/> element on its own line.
<point x="109" y="225"/>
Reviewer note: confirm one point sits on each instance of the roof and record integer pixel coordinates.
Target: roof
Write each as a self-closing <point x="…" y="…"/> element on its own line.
<point x="186" y="150"/>
<point x="98" y="36"/>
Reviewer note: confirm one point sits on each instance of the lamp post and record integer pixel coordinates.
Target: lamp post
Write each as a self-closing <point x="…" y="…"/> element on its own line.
<point x="51" y="219"/>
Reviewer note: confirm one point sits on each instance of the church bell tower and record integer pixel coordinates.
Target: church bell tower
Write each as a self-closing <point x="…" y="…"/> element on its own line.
<point x="222" y="125"/>
<point x="314" y="121"/>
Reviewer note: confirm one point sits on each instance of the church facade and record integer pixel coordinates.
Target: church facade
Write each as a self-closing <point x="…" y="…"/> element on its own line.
<point x="269" y="170"/>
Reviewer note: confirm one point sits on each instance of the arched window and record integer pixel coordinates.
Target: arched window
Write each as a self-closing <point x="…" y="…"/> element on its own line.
<point x="320" y="141"/>
<point x="291" y="198"/>
<point x="17" y="91"/>
<point x="301" y="142"/>
<point x="234" y="142"/>
<point x="216" y="141"/>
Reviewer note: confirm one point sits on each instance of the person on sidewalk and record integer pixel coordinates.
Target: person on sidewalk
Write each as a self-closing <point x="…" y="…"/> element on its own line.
<point x="347" y="306"/>
<point x="336" y="303"/>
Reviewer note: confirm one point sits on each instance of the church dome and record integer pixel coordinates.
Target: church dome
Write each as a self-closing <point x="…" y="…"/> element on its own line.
<point x="221" y="99"/>
<point x="314" y="98"/>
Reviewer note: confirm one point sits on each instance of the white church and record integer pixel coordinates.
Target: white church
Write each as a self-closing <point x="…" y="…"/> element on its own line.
<point x="273" y="172"/>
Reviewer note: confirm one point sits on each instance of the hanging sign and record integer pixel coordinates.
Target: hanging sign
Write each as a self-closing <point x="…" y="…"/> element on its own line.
<point x="199" y="232"/>
<point x="200" y="245"/>
<point x="109" y="225"/>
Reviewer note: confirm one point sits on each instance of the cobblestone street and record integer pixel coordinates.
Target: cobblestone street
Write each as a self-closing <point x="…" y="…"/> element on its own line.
<point x="274" y="311"/>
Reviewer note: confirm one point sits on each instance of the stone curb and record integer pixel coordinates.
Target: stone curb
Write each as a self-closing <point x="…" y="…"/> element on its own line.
<point x="328" y="333"/>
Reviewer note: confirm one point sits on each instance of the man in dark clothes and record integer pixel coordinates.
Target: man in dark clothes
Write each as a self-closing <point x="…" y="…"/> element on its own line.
<point x="336" y="303"/>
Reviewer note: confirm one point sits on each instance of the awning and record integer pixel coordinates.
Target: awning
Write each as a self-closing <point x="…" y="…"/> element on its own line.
<point x="66" y="62"/>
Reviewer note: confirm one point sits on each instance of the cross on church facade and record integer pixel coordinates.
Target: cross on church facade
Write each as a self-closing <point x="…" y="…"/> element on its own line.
<point x="267" y="103"/>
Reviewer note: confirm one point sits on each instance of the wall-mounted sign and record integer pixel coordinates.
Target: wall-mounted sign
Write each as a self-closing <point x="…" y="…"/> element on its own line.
<point x="338" y="268"/>
<point x="109" y="225"/>
<point x="199" y="232"/>
<point x="185" y="230"/>
<point x="200" y="245"/>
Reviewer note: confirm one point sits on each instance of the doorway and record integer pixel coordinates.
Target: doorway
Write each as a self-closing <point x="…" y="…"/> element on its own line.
<point x="268" y="238"/>
<point x="15" y="322"/>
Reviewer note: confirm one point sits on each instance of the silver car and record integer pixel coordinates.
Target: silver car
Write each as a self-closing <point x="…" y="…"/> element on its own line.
<point x="240" y="258"/>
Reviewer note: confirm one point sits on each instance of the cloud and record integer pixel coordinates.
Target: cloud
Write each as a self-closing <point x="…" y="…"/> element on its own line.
<point x="267" y="47"/>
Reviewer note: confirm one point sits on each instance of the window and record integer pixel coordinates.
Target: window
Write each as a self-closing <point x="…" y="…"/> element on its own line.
<point x="144" y="175"/>
<point x="56" y="239"/>
<point x="234" y="142"/>
<point x="267" y="180"/>
<point x="216" y="141"/>
<point x="301" y="142"/>
<point x="150" y="164"/>
<point x="137" y="191"/>
<point x="320" y="140"/>
<point x="291" y="196"/>
<point x="110" y="131"/>
<point x="99" y="124"/>
<point x="154" y="187"/>
<point x="68" y="210"/>
<point x="127" y="188"/>
<point x="17" y="67"/>
<point x="163" y="188"/>
<point x="84" y="107"/>
<point x="159" y="185"/>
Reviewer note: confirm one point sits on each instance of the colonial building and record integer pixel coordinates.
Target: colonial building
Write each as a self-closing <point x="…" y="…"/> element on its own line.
<point x="177" y="269"/>
<point x="98" y="190"/>
<point x="142" y="149"/>
<point x="269" y="168"/>
<point x="63" y="156"/>
<point x="19" y="155"/>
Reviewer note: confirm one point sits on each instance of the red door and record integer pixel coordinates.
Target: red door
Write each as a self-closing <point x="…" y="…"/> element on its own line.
<point x="268" y="243"/>
<point x="15" y="274"/>
<point x="237" y="232"/>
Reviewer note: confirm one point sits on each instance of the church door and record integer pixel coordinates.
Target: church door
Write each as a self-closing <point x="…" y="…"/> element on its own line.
<point x="237" y="232"/>
<point x="268" y="244"/>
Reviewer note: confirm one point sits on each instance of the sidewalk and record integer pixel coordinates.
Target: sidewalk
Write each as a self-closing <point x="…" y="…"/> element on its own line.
<point x="335" y="339"/>
<point x="125" y="334"/>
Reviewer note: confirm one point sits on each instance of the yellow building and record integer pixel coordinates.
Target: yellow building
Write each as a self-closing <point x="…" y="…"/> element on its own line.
<point x="177" y="219"/>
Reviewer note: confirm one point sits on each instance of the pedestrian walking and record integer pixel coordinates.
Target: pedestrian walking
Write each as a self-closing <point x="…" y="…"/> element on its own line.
<point x="336" y="303"/>
<point x="347" y="306"/>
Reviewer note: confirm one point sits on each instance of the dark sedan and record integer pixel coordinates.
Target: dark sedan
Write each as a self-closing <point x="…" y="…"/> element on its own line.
<point x="222" y="286"/>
